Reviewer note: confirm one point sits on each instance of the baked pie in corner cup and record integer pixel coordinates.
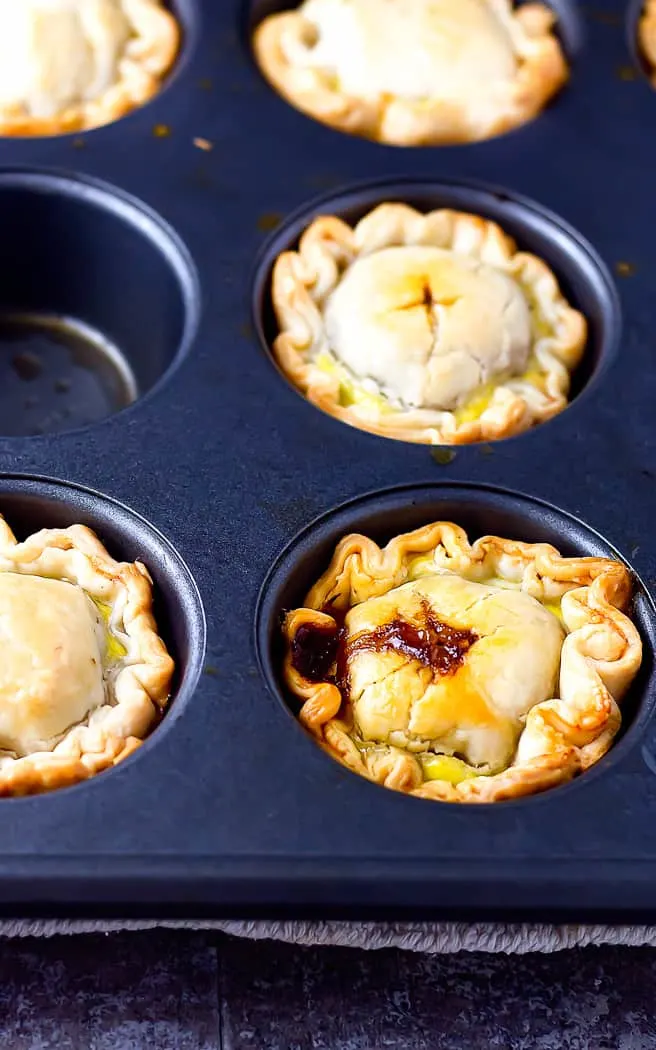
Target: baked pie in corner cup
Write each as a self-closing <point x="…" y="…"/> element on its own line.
<point x="647" y="37"/>
<point x="425" y="327"/>
<point x="70" y="65"/>
<point x="464" y="672"/>
<point x="84" y="675"/>
<point x="414" y="72"/>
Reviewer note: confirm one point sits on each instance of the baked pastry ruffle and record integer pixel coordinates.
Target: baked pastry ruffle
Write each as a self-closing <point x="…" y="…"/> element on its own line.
<point x="463" y="672"/>
<point x="429" y="328"/>
<point x="415" y="73"/>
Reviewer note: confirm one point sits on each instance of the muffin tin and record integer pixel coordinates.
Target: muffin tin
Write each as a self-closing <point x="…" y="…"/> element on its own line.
<point x="158" y="232"/>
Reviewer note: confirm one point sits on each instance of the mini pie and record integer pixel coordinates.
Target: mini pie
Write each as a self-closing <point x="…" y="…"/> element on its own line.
<point x="647" y="34"/>
<point x="414" y="72"/>
<point x="463" y="672"/>
<point x="67" y="65"/>
<point x="84" y="675"/>
<point x="428" y="328"/>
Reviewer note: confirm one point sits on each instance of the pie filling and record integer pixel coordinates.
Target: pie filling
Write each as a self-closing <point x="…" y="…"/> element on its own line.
<point x="441" y="667"/>
<point x="365" y="393"/>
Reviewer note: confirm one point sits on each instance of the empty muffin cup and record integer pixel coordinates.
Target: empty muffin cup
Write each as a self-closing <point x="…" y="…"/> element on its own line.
<point x="98" y="301"/>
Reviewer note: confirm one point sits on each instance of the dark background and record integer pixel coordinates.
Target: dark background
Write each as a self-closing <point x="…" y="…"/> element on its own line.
<point x="179" y="991"/>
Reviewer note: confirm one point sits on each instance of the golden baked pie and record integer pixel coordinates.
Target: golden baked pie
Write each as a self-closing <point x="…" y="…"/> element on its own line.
<point x="414" y="72"/>
<point x="424" y="327"/>
<point x="647" y="35"/>
<point x="66" y="65"/>
<point x="463" y="672"/>
<point x="84" y="675"/>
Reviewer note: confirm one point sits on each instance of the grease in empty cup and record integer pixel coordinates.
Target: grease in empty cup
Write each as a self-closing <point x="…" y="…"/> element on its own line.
<point x="59" y="373"/>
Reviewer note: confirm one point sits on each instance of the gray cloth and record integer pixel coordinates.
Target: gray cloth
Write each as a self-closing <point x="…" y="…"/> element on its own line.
<point x="434" y="938"/>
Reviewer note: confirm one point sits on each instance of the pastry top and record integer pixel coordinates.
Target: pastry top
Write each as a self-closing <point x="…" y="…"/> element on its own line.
<point x="409" y="72"/>
<point x="457" y="50"/>
<point x="427" y="325"/>
<point x="85" y="675"/>
<point x="464" y="672"/>
<point x="52" y="636"/>
<point x="443" y="661"/>
<point x="67" y="65"/>
<point x="647" y="34"/>
<point x="429" y="328"/>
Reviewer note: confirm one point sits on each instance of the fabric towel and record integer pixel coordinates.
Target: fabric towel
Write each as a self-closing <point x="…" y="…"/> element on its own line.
<point x="435" y="938"/>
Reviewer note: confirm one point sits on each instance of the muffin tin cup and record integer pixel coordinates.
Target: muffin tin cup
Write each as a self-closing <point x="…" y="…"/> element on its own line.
<point x="98" y="301"/>
<point x="30" y="504"/>
<point x="583" y="277"/>
<point x="480" y="510"/>
<point x="158" y="232"/>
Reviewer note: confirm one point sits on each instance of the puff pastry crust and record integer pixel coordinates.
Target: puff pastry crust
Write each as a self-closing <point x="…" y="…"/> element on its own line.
<point x="84" y="675"/>
<point x="465" y="672"/>
<point x="414" y="73"/>
<point x="68" y="65"/>
<point x="647" y="35"/>
<point x="429" y="328"/>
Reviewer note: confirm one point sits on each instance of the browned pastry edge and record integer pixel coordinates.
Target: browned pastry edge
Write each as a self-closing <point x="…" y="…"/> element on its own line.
<point x="141" y="687"/>
<point x="563" y="736"/>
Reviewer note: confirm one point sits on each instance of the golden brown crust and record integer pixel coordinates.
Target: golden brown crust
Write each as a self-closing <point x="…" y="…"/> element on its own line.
<point x="141" y="686"/>
<point x="148" y="58"/>
<point x="563" y="736"/>
<point x="647" y="35"/>
<point x="541" y="71"/>
<point x="303" y="279"/>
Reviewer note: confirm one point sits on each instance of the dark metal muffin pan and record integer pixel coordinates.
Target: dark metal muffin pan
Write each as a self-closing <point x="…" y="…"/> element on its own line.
<point x="217" y="465"/>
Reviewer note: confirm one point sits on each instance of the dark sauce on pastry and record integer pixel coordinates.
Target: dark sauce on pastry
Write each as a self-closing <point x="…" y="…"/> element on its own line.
<point x="313" y="651"/>
<point x="322" y="653"/>
<point x="431" y="642"/>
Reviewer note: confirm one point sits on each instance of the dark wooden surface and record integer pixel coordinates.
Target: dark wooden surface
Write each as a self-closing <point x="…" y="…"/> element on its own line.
<point x="175" y="991"/>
